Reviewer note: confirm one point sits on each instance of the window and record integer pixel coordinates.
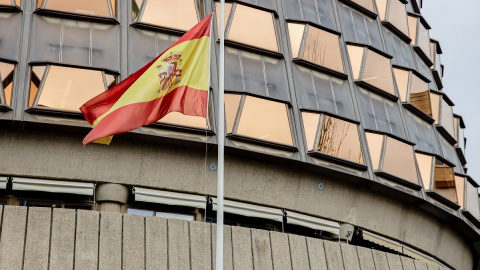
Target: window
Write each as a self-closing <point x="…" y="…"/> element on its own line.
<point x="255" y="73"/>
<point x="75" y="42"/>
<point x="401" y="51"/>
<point x="249" y="26"/>
<point x="392" y="158"/>
<point x="393" y="14"/>
<point x="421" y="133"/>
<point x="66" y="88"/>
<point x="55" y="204"/>
<point x="420" y="37"/>
<point x="413" y="89"/>
<point x="10" y="34"/>
<point x="365" y="4"/>
<point x="322" y="92"/>
<point x="6" y="77"/>
<point x="153" y="213"/>
<point x="315" y="11"/>
<point x="425" y="71"/>
<point x="258" y="119"/>
<point x="371" y="68"/>
<point x="442" y="112"/>
<point x="104" y="8"/>
<point x="379" y="113"/>
<point x="359" y="28"/>
<point x="166" y="13"/>
<point x="467" y="196"/>
<point x="10" y="2"/>
<point x="332" y="136"/>
<point x="318" y="47"/>
<point x="459" y="133"/>
<point x="449" y="153"/>
<point x="437" y="67"/>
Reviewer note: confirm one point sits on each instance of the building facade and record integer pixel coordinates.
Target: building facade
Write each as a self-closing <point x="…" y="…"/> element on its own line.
<point x="338" y="128"/>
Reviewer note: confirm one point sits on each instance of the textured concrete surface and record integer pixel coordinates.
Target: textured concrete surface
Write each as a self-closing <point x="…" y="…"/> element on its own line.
<point x="394" y="262"/>
<point x="227" y="247"/>
<point x="135" y="163"/>
<point x="365" y="257"/>
<point x="298" y="252"/>
<point x="86" y="240"/>
<point x="280" y="251"/>
<point x="156" y="243"/>
<point x="333" y="253"/>
<point x="261" y="249"/>
<point x="178" y="244"/>
<point x="200" y="245"/>
<point x="241" y="247"/>
<point x="380" y="260"/>
<point x="13" y="237"/>
<point x="62" y="245"/>
<point x="350" y="257"/>
<point x="110" y="253"/>
<point x="419" y="265"/>
<point x="407" y="263"/>
<point x="133" y="248"/>
<point x="37" y="243"/>
<point x="111" y="192"/>
<point x="316" y="253"/>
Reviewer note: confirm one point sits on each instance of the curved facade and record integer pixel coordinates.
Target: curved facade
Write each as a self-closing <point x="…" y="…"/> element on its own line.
<point x="337" y="123"/>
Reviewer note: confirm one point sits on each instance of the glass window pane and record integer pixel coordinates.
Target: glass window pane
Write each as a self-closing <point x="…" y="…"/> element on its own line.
<point x="446" y="117"/>
<point x="324" y="92"/>
<point x="375" y="143"/>
<point x="177" y="118"/>
<point x="310" y="126"/>
<point x="420" y="95"/>
<point x="6" y="75"/>
<point x="340" y="139"/>
<point x="6" y="2"/>
<point x="397" y="16"/>
<point x="445" y="182"/>
<point x="401" y="78"/>
<point x="175" y="216"/>
<point x="36" y="77"/>
<point x="265" y="120"/>
<point x="377" y="72"/>
<point x="471" y="202"/>
<point x="295" y="31"/>
<point x="368" y="4"/>
<point x="10" y="31"/>
<point x="373" y="33"/>
<point x="435" y="100"/>
<point x="366" y="108"/>
<point x="399" y="160"/>
<point x="136" y="6"/>
<point x="346" y="20"/>
<point x="343" y="98"/>
<point x="355" y="53"/>
<point x="253" y="73"/>
<point x="322" y="48"/>
<point x="423" y="40"/>
<point x="382" y="8"/>
<point x="360" y="28"/>
<point x="412" y="28"/>
<point x="69" y="88"/>
<point x="421" y="133"/>
<point x="140" y="212"/>
<point x="34" y="203"/>
<point x="449" y="153"/>
<point x="254" y="27"/>
<point x="75" y="44"/>
<point x="231" y="109"/>
<point x="316" y="11"/>
<point x="233" y="70"/>
<point x="167" y="13"/>
<point x="88" y="7"/>
<point x="460" y="187"/>
<point x="425" y="166"/>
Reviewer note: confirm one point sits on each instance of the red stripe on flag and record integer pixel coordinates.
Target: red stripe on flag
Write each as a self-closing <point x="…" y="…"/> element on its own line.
<point x="184" y="99"/>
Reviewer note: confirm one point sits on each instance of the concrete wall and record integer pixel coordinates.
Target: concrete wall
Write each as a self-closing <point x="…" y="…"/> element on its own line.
<point x="161" y="165"/>
<point x="42" y="238"/>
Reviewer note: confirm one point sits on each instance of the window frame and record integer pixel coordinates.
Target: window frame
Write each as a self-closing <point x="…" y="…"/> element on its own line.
<point x="437" y="67"/>
<point x="461" y="145"/>
<point x="78" y="16"/>
<point x="362" y="9"/>
<point x="425" y="56"/>
<point x="444" y="100"/>
<point x="4" y="107"/>
<point x="390" y="26"/>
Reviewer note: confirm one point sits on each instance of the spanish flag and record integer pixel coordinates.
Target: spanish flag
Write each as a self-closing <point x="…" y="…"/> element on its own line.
<point x="175" y="81"/>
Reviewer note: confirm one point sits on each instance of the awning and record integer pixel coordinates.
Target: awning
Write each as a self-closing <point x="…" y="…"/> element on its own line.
<point x="3" y="182"/>
<point x="29" y="184"/>
<point x="250" y="210"/>
<point x="313" y="222"/>
<point x="168" y="197"/>
<point x="377" y="239"/>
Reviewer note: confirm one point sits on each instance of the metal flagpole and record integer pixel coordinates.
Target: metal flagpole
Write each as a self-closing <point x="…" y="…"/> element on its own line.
<point x="221" y="140"/>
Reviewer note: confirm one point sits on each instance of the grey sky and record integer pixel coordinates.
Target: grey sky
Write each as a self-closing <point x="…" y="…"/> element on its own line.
<point x="456" y="25"/>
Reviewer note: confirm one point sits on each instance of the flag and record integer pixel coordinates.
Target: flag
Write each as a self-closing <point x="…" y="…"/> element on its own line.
<point x="175" y="81"/>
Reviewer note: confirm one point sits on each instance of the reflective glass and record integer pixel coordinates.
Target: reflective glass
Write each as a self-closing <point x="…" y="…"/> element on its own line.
<point x="10" y="30"/>
<point x="265" y="120"/>
<point x="421" y="133"/>
<point x="88" y="7"/>
<point x="323" y="48"/>
<point x="316" y="11"/>
<point x="39" y="3"/>
<point x="401" y="78"/>
<point x="271" y="4"/>
<point x="136" y="6"/>
<point x="167" y="13"/>
<point x="368" y="4"/>
<point x="140" y="212"/>
<point x="425" y="166"/>
<point x="446" y="117"/>
<point x="310" y="126"/>
<point x="355" y="53"/>
<point x="377" y="72"/>
<point x="412" y="28"/>
<point x="420" y="95"/>
<point x="423" y="40"/>
<point x="231" y="109"/>
<point x="375" y="143"/>
<point x="399" y="160"/>
<point x="36" y="78"/>
<point x="340" y="139"/>
<point x="175" y="216"/>
<point x="460" y="187"/>
<point x="177" y="118"/>
<point x="6" y="75"/>
<point x="397" y="15"/>
<point x="449" y="153"/>
<point x="401" y="51"/>
<point x="445" y="182"/>
<point x="254" y="27"/>
<point x="295" y="31"/>
<point x="6" y="2"/>
<point x="435" y="100"/>
<point x="69" y="88"/>
<point x="471" y="202"/>
<point x="382" y="8"/>
<point x="228" y="9"/>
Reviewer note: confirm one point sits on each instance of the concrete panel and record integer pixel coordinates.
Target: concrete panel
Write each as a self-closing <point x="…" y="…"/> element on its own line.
<point x="280" y="251"/>
<point x="110" y="253"/>
<point x="316" y="253"/>
<point x="227" y="247"/>
<point x="178" y="244"/>
<point x="86" y="240"/>
<point x="200" y="245"/>
<point x="350" y="257"/>
<point x="298" y="252"/>
<point x="133" y="242"/>
<point x="407" y="263"/>
<point x="261" y="249"/>
<point x="242" y="248"/>
<point x="12" y="237"/>
<point x="434" y="267"/>
<point x="394" y="262"/>
<point x="333" y="255"/>
<point x="156" y="256"/>
<point x="62" y="245"/>
<point x="419" y="265"/>
<point x="110" y="192"/>
<point x="37" y="243"/>
<point x="380" y="260"/>
<point x="365" y="257"/>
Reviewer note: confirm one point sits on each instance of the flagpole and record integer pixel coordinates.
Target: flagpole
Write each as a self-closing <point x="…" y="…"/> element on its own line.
<point x="221" y="140"/>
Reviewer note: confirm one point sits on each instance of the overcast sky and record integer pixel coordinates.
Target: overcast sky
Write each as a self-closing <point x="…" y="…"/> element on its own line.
<point x="456" y="25"/>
